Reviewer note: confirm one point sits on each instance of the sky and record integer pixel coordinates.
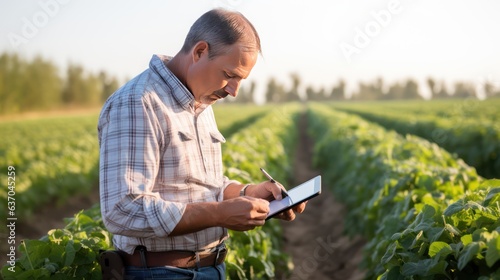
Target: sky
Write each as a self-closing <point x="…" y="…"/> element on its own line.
<point x="321" y="41"/>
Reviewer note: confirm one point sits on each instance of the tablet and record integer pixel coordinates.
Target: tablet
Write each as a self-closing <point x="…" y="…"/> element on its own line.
<point x="300" y="193"/>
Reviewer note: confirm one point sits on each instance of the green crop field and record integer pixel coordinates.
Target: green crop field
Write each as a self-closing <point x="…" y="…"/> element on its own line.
<point x="418" y="179"/>
<point x="57" y="157"/>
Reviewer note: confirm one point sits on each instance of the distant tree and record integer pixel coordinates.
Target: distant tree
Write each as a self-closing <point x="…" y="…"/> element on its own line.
<point x="42" y="88"/>
<point x="28" y="85"/>
<point x="338" y="91"/>
<point x="92" y="91"/>
<point x="315" y="95"/>
<point x="432" y="87"/>
<point x="275" y="92"/>
<point x="36" y="85"/>
<point x="464" y="90"/>
<point x="109" y="85"/>
<point x="12" y="69"/>
<point x="310" y="93"/>
<point x="396" y="91"/>
<point x="86" y="89"/>
<point x="411" y="90"/>
<point x="321" y="94"/>
<point x="443" y="92"/>
<point x="293" y="93"/>
<point x="74" y="87"/>
<point x="370" y="91"/>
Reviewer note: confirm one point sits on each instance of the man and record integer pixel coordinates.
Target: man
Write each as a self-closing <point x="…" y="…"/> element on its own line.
<point x="163" y="192"/>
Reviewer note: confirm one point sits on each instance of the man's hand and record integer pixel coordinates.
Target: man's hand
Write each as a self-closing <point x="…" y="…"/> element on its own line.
<point x="271" y="191"/>
<point x="243" y="213"/>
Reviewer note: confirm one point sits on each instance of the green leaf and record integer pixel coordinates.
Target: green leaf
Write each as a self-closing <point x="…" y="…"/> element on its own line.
<point x="439" y="268"/>
<point x="434" y="233"/>
<point x="51" y="267"/>
<point x="454" y="208"/>
<point x="424" y="267"/>
<point x="389" y="253"/>
<point x="467" y="254"/>
<point x="416" y="268"/>
<point x="260" y="265"/>
<point x="493" y="183"/>
<point x="34" y="253"/>
<point x="439" y="247"/>
<point x="493" y="251"/>
<point x="392" y="274"/>
<point x="70" y="253"/>
<point x="466" y="239"/>
<point x="234" y="271"/>
<point x="493" y="194"/>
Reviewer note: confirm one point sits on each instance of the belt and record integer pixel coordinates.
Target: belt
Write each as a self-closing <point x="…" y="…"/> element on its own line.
<point x="181" y="259"/>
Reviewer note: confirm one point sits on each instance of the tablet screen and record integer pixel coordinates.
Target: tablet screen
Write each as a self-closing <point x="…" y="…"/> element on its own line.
<point x="297" y="195"/>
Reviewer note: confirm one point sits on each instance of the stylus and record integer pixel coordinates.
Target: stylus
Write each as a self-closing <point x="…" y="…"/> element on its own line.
<point x="283" y="192"/>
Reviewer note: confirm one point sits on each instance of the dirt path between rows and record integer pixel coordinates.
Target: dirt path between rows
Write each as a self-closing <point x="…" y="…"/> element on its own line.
<point x="315" y="238"/>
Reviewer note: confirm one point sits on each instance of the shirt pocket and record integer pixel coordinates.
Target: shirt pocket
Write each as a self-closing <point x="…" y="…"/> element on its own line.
<point x="217" y="137"/>
<point x="185" y="136"/>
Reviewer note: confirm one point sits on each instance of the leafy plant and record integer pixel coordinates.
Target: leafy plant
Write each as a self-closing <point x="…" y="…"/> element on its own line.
<point x="463" y="242"/>
<point x="65" y="253"/>
<point x="466" y="127"/>
<point x="403" y="194"/>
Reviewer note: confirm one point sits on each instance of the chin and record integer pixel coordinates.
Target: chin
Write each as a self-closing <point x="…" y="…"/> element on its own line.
<point x="209" y="101"/>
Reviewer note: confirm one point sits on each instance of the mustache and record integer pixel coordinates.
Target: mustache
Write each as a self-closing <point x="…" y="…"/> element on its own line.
<point x="221" y="93"/>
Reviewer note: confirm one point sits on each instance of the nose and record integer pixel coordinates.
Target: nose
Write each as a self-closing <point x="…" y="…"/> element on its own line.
<point x="232" y="88"/>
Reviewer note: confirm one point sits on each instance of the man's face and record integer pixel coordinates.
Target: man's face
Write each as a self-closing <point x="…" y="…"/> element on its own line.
<point x="212" y="79"/>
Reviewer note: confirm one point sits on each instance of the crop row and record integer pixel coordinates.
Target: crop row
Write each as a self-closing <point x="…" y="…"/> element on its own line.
<point x="54" y="158"/>
<point x="427" y="214"/>
<point x="455" y="110"/>
<point x="73" y="250"/>
<point x="467" y="128"/>
<point x="267" y="143"/>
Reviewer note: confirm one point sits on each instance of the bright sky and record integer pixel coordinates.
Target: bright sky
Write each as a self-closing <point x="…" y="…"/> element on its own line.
<point x="322" y="41"/>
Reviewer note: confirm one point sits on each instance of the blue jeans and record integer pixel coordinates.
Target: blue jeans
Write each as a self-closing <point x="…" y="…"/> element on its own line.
<point x="170" y="272"/>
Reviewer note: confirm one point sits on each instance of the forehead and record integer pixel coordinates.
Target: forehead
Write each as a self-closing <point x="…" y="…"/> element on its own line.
<point x="238" y="60"/>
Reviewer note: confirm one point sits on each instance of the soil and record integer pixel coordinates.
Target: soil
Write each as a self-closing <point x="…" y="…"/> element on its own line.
<point x="314" y="239"/>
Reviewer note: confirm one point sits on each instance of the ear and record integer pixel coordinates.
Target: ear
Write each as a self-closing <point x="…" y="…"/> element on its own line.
<point x="199" y="50"/>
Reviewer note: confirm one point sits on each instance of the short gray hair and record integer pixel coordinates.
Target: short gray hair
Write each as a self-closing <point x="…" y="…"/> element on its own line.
<point x="221" y="28"/>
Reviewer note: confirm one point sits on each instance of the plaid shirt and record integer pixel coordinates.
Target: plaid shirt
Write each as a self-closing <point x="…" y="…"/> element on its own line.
<point x="157" y="154"/>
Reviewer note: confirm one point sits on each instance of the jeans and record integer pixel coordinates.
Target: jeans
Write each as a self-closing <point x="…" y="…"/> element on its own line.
<point x="170" y="272"/>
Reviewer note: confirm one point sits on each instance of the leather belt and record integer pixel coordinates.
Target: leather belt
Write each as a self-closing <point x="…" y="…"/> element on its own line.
<point x="181" y="259"/>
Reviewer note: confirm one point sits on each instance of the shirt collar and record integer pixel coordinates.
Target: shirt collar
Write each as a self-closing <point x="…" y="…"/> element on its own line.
<point x="180" y="93"/>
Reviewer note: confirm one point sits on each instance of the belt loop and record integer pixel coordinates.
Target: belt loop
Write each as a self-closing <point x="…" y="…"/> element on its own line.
<point x="198" y="263"/>
<point x="142" y="251"/>
<point x="217" y="256"/>
<point x="221" y="247"/>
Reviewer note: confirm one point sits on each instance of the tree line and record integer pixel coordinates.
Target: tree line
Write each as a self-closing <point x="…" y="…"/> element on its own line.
<point x="277" y="92"/>
<point x="37" y="85"/>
